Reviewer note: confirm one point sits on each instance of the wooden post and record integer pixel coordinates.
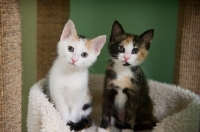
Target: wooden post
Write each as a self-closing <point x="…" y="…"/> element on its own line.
<point x="10" y="66"/>
<point x="187" y="58"/>
<point x="51" y="18"/>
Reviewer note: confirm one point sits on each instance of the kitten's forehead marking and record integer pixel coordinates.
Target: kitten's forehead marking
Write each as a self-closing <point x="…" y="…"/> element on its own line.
<point x="74" y="38"/>
<point x="128" y="44"/>
<point x="88" y="44"/>
<point x="128" y="40"/>
<point x="78" y="38"/>
<point x="128" y="48"/>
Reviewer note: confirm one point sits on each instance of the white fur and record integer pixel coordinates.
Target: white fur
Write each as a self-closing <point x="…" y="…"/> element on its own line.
<point x="102" y="130"/>
<point x="120" y="100"/>
<point x="68" y="80"/>
<point x="68" y="88"/>
<point x="121" y="71"/>
<point x="128" y="53"/>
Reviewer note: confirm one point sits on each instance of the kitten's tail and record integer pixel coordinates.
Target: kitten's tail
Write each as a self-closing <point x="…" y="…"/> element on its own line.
<point x="82" y="124"/>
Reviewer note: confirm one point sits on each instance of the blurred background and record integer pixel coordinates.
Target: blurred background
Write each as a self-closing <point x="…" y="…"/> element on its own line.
<point x="93" y="18"/>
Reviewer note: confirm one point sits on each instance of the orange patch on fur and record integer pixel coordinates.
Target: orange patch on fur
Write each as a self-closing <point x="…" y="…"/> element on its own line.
<point x="88" y="44"/>
<point x="109" y="67"/>
<point x="128" y="40"/>
<point x="142" y="54"/>
<point x="75" y="38"/>
<point x="123" y="83"/>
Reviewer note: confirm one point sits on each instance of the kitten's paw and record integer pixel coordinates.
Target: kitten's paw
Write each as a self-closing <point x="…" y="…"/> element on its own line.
<point x="125" y="90"/>
<point x="102" y="130"/>
<point x="127" y="130"/>
<point x="71" y="125"/>
<point x="129" y="92"/>
<point x="82" y="124"/>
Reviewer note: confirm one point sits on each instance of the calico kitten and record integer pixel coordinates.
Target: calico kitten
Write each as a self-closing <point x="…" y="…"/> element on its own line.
<point x="68" y="77"/>
<point x="126" y="91"/>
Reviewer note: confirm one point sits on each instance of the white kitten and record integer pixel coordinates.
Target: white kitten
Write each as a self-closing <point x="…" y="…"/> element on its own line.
<point x="68" y="77"/>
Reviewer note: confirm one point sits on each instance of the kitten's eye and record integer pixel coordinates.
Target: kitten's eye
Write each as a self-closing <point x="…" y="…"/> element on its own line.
<point x="84" y="54"/>
<point x="120" y="47"/>
<point x="70" y="49"/>
<point x="135" y="51"/>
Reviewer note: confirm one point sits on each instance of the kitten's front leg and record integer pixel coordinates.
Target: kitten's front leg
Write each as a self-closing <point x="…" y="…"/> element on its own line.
<point x="108" y="107"/>
<point x="63" y="109"/>
<point x="84" y="123"/>
<point x="80" y="117"/>
<point x="130" y="108"/>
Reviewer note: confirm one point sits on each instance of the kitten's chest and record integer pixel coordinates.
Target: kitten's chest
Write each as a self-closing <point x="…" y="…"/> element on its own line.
<point x="70" y="81"/>
<point x="123" y="80"/>
<point x="74" y="90"/>
<point x="73" y="82"/>
<point x="123" y="77"/>
<point x="71" y="86"/>
<point x="73" y="97"/>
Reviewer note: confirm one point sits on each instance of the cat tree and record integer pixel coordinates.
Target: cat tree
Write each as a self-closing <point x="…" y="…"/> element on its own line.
<point x="174" y="105"/>
<point x="10" y="66"/>
<point x="187" y="58"/>
<point x="51" y="18"/>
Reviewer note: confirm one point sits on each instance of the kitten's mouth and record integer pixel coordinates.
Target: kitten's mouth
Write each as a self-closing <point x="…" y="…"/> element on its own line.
<point x="126" y="64"/>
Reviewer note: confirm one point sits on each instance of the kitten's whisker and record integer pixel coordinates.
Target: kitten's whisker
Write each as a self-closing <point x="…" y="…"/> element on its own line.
<point x="79" y="68"/>
<point x="142" y="69"/>
<point x="114" y="54"/>
<point x="108" y="64"/>
<point x="91" y="69"/>
<point x="49" y="60"/>
<point x="105" y="53"/>
<point x="146" y="62"/>
<point x="104" y="59"/>
<point x="108" y="53"/>
<point x="52" y="53"/>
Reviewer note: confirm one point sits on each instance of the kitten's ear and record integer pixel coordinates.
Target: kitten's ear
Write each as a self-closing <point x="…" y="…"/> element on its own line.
<point x="146" y="37"/>
<point x="98" y="43"/>
<point x="68" y="30"/>
<point x="116" y="30"/>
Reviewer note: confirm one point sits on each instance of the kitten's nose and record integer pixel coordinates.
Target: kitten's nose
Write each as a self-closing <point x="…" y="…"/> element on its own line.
<point x="126" y="58"/>
<point x="73" y="60"/>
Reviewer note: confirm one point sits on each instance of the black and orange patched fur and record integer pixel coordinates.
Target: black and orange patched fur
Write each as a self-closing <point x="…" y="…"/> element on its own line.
<point x="126" y="92"/>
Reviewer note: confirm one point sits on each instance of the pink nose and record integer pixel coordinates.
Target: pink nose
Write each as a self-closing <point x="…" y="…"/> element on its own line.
<point x="126" y="58"/>
<point x="73" y="60"/>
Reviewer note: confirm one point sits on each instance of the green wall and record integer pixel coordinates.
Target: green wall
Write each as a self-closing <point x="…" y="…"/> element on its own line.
<point x="93" y="18"/>
<point x="28" y="17"/>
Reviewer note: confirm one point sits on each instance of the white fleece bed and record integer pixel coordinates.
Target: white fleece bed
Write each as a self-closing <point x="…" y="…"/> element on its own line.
<point x="177" y="109"/>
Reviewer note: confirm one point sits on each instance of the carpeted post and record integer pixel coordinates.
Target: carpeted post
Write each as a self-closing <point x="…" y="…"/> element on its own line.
<point x="10" y="66"/>
<point x="187" y="58"/>
<point x="51" y="18"/>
